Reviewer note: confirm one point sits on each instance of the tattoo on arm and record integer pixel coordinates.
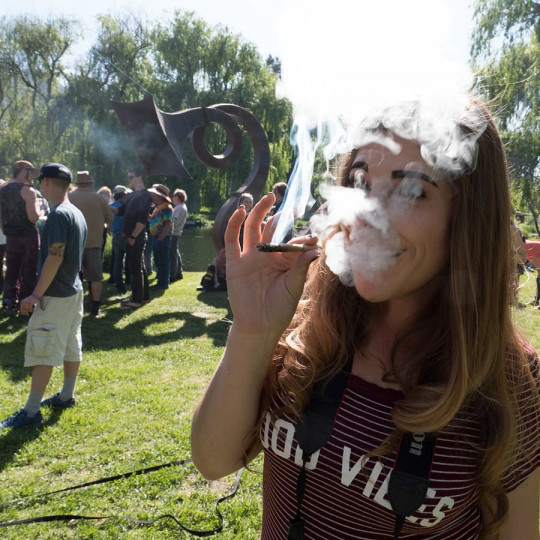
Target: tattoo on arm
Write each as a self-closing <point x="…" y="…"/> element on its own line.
<point x="57" y="249"/>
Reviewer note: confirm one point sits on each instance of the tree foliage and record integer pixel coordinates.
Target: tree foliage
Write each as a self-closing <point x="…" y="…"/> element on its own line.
<point x="506" y="51"/>
<point x="55" y="108"/>
<point x="33" y="75"/>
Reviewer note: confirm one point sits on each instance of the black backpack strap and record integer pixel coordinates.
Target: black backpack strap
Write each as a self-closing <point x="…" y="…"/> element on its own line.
<point x="316" y="424"/>
<point x="409" y="481"/>
<point x="313" y="430"/>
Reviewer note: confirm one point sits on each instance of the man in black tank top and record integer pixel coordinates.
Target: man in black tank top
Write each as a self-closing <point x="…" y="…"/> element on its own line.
<point x="19" y="213"/>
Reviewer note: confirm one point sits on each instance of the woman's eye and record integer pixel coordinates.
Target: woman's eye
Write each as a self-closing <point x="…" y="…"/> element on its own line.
<point x="410" y="190"/>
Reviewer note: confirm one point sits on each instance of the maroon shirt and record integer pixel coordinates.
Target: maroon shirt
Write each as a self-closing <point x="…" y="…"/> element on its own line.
<point x="348" y="499"/>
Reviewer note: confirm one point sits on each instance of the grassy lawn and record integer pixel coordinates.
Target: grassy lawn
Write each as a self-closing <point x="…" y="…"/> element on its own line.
<point x="142" y="374"/>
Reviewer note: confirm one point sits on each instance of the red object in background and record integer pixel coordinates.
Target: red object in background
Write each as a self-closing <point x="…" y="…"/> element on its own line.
<point x="533" y="252"/>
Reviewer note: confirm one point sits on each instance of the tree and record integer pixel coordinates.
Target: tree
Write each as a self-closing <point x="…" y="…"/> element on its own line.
<point x="506" y="43"/>
<point x="52" y="110"/>
<point x="117" y="67"/>
<point x="32" y="74"/>
<point x="197" y="65"/>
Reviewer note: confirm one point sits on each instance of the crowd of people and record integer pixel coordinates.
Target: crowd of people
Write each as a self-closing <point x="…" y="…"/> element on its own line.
<point x="54" y="242"/>
<point x="131" y="215"/>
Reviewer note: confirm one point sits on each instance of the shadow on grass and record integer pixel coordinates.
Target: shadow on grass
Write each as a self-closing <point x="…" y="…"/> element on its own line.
<point x="13" y="439"/>
<point x="219" y="329"/>
<point x="218" y="299"/>
<point x="13" y="330"/>
<point x="99" y="333"/>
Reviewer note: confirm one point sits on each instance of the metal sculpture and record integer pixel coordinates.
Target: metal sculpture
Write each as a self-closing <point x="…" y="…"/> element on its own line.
<point x="158" y="138"/>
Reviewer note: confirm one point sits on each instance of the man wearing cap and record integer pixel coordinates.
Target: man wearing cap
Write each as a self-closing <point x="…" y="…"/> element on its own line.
<point x="97" y="213"/>
<point x="55" y="304"/>
<point x="136" y="210"/>
<point x="19" y="212"/>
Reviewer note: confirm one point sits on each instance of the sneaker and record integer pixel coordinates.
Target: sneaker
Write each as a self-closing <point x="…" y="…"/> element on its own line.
<point x="21" y="418"/>
<point x="94" y="310"/>
<point x="56" y="401"/>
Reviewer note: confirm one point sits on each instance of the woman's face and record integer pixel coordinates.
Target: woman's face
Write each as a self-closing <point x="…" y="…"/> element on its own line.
<point x="157" y="199"/>
<point x="416" y="208"/>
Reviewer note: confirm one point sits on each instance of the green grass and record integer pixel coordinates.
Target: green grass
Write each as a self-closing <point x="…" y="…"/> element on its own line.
<point x="142" y="375"/>
<point x="527" y="317"/>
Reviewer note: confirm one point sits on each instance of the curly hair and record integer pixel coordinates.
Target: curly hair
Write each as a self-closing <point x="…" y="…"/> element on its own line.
<point x="470" y="352"/>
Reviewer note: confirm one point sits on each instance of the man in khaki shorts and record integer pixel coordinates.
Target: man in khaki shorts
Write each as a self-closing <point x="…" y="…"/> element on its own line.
<point x="53" y="336"/>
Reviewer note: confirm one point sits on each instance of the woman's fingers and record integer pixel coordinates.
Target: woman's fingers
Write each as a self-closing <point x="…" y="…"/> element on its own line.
<point x="252" y="227"/>
<point x="232" y="233"/>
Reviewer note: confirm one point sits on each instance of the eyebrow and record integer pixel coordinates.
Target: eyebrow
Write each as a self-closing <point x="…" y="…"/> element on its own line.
<point x="360" y="165"/>
<point x="413" y="174"/>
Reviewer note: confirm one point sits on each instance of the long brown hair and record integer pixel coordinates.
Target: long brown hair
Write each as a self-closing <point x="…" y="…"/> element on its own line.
<point x="473" y="353"/>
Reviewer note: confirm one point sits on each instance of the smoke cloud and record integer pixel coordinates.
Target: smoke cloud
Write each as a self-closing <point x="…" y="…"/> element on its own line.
<point x="348" y="67"/>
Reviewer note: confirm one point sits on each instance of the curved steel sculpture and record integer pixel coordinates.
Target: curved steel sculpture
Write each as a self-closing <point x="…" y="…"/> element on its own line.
<point x="158" y="138"/>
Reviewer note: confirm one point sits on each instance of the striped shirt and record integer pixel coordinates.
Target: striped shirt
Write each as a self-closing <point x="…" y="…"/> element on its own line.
<point x="347" y="498"/>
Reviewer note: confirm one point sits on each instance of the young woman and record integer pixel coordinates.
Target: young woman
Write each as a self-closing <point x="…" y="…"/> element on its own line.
<point x="426" y="342"/>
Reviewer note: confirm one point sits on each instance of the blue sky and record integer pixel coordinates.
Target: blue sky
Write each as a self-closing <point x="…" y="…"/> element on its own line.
<point x="257" y="20"/>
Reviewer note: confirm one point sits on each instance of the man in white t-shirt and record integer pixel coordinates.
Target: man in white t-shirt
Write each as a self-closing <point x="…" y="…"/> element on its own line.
<point x="179" y="220"/>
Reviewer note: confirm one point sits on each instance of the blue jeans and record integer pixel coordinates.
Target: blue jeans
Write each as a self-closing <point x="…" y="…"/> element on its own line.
<point x="161" y="249"/>
<point x="176" y="259"/>
<point x="117" y="260"/>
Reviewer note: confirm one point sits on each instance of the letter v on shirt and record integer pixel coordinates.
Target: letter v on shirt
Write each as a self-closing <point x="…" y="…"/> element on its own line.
<point x="282" y="430"/>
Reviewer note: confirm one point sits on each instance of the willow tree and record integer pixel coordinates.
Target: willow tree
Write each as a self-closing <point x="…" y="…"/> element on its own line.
<point x="117" y="67"/>
<point x="33" y="74"/>
<point x="506" y="53"/>
<point x="199" y="65"/>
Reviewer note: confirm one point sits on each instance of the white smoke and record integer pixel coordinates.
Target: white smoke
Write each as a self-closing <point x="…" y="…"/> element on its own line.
<point x="372" y="245"/>
<point x="348" y="67"/>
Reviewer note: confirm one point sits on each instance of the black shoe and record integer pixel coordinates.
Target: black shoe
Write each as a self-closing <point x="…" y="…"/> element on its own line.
<point x="94" y="310"/>
<point x="21" y="418"/>
<point x="58" y="403"/>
